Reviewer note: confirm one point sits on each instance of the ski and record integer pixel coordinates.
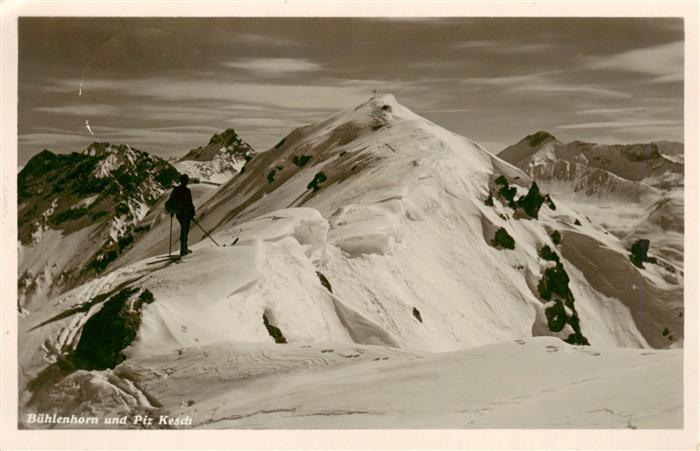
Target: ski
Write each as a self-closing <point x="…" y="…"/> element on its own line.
<point x="172" y="259"/>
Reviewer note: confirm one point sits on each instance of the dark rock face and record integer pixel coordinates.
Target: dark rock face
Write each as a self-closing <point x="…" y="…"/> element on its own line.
<point x="532" y="201"/>
<point x="324" y="281"/>
<point x="554" y="288"/>
<point x="417" y="315"/>
<point x="547" y="253"/>
<point x="503" y="239"/>
<point x="550" y="203"/>
<point x="273" y="330"/>
<point x="556" y="237"/>
<point x="109" y="331"/>
<point x="318" y="178"/>
<point x="506" y="192"/>
<point x="301" y="160"/>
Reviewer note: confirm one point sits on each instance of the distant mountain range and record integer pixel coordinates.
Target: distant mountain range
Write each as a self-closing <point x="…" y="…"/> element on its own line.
<point x="79" y="212"/>
<point x="634" y="191"/>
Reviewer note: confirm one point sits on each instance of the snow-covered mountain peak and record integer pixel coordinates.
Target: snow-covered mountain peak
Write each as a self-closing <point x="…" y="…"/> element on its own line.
<point x="540" y="146"/>
<point x="219" y="160"/>
<point x="373" y="114"/>
<point x="224" y="145"/>
<point x="388" y="104"/>
<point x="399" y="190"/>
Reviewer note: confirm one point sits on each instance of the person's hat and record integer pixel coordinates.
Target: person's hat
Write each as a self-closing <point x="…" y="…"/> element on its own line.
<point x="184" y="178"/>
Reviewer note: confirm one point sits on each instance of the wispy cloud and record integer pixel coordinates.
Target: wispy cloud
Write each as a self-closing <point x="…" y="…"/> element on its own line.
<point x="669" y="78"/>
<point x="618" y="124"/>
<point x="614" y="111"/>
<point x="274" y="66"/>
<point x="53" y="140"/>
<point x="266" y="123"/>
<point x="476" y="44"/>
<point x="545" y="83"/>
<point x="502" y="47"/>
<point x="327" y="95"/>
<point x="455" y="110"/>
<point x="292" y="96"/>
<point x="664" y="62"/>
<point x="259" y="39"/>
<point x="79" y="110"/>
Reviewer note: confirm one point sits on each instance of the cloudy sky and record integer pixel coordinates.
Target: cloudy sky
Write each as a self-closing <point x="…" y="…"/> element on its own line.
<point x="166" y="85"/>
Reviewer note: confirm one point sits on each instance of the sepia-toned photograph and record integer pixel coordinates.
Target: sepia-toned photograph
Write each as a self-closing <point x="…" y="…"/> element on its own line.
<point x="359" y="223"/>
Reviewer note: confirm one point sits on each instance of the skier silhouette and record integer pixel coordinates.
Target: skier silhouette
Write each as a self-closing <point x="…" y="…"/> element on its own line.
<point x="180" y="204"/>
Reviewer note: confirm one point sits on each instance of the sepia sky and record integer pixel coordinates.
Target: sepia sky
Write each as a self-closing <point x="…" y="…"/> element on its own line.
<point x="166" y="85"/>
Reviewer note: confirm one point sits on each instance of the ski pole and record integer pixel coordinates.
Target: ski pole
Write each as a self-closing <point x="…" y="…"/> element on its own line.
<point x="170" y="238"/>
<point x="205" y="232"/>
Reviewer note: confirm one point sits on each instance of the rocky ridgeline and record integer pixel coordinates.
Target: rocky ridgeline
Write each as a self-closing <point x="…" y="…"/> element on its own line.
<point x="106" y="188"/>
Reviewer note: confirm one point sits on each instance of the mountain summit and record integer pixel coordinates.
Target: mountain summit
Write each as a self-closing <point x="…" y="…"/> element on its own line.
<point x="219" y="160"/>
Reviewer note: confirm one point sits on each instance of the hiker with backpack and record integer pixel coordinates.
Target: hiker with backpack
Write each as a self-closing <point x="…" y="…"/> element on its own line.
<point x="180" y="205"/>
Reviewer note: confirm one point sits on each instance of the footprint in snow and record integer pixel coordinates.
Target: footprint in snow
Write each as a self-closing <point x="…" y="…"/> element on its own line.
<point x="552" y="348"/>
<point x="326" y="350"/>
<point x="520" y="342"/>
<point x="183" y="328"/>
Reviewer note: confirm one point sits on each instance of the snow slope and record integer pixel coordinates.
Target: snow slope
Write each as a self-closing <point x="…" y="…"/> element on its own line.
<point x="535" y="383"/>
<point x="369" y="229"/>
